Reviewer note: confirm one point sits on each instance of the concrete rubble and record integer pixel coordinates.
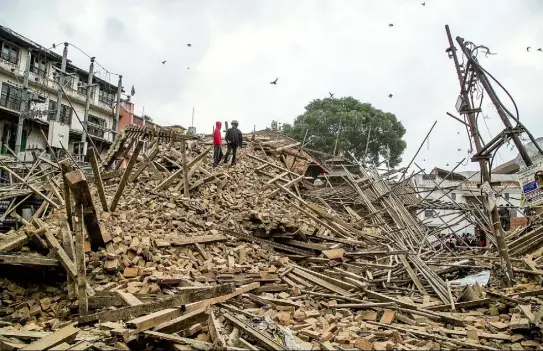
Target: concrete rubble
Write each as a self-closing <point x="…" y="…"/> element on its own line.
<point x="171" y="253"/>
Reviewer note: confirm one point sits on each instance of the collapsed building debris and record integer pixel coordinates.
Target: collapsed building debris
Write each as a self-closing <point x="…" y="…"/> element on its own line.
<point x="169" y="252"/>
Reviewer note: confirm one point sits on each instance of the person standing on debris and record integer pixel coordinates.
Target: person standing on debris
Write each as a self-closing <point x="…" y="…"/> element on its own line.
<point x="217" y="144"/>
<point x="234" y="139"/>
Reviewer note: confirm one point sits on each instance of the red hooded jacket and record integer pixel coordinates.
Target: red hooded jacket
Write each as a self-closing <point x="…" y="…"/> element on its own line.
<point x="217" y="137"/>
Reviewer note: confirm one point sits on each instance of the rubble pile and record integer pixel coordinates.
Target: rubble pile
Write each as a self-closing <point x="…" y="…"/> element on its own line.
<point x="169" y="252"/>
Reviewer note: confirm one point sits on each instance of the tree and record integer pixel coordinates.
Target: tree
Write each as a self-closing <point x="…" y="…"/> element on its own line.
<point x="350" y="121"/>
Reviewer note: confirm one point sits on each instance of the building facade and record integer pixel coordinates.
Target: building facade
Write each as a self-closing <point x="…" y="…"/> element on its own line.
<point x="464" y="188"/>
<point x="16" y="54"/>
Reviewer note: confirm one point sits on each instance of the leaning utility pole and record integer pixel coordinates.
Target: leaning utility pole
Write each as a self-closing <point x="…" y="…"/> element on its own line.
<point x="87" y="107"/>
<point x="118" y="107"/>
<point x="480" y="74"/>
<point x="61" y="81"/>
<point x="24" y="105"/>
<point x="483" y="163"/>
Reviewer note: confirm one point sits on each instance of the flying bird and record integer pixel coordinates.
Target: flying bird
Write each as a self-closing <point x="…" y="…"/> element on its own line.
<point x="188" y="67"/>
<point x="189" y="45"/>
<point x="54" y="46"/>
<point x="539" y="49"/>
<point x="390" y="95"/>
<point x="275" y="81"/>
<point x="391" y="25"/>
<point x="331" y="95"/>
<point x="447" y="164"/>
<point x="423" y="4"/>
<point x="458" y="149"/>
<point x="163" y="62"/>
<point x="528" y="48"/>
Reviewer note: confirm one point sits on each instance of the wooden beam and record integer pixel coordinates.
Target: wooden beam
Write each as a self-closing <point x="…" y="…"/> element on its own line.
<point x="147" y="161"/>
<point x="124" y="313"/>
<point x="260" y="338"/>
<point x="130" y="299"/>
<point x="79" y="187"/>
<point x="197" y="344"/>
<point x="199" y="239"/>
<point x="185" y="168"/>
<point x="98" y="178"/>
<point x="215" y="331"/>
<point x="181" y="322"/>
<point x="80" y="261"/>
<point x="413" y="275"/>
<point x="126" y="175"/>
<point x="62" y="335"/>
<point x="220" y="299"/>
<point x="25" y="260"/>
<point x="31" y="187"/>
<point x="68" y="246"/>
<point x="166" y="182"/>
<point x="153" y="319"/>
<point x="67" y="168"/>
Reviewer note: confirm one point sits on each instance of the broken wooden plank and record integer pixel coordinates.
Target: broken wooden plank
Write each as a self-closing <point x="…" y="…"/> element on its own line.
<point x="79" y="187"/>
<point x="220" y="299"/>
<point x="80" y="260"/>
<point x="215" y="331"/>
<point x="166" y="182"/>
<point x="25" y="260"/>
<point x="198" y="239"/>
<point x="260" y="339"/>
<point x="130" y="299"/>
<point x="197" y="344"/>
<point x="180" y="299"/>
<point x="181" y="322"/>
<point x="312" y="278"/>
<point x="147" y="161"/>
<point x="98" y="178"/>
<point x="126" y="175"/>
<point x="67" y="333"/>
<point x="23" y="334"/>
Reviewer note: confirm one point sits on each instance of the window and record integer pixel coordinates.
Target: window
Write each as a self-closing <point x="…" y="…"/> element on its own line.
<point x="96" y="126"/>
<point x="506" y="196"/>
<point x="65" y="113"/>
<point x="453" y="196"/>
<point x="10" y="97"/>
<point x="106" y="96"/>
<point x="38" y="65"/>
<point x="9" y="52"/>
<point x="428" y="213"/>
<point x="428" y="177"/>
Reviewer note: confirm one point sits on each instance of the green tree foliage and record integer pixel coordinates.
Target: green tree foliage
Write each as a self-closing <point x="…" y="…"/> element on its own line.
<point x="323" y="118"/>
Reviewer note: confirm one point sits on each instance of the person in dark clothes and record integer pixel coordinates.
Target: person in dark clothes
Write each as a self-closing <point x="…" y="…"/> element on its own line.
<point x="234" y="139"/>
<point x="217" y="144"/>
<point x="503" y="215"/>
<point x="507" y="218"/>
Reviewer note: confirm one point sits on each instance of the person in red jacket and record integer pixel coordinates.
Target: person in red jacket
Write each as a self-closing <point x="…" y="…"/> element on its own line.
<point x="217" y="142"/>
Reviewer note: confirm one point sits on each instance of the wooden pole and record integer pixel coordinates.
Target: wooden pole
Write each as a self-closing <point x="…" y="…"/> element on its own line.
<point x="98" y="178"/>
<point x="80" y="261"/>
<point x="185" y="171"/>
<point x="125" y="176"/>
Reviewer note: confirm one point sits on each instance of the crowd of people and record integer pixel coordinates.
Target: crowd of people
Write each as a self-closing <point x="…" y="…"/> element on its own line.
<point x="477" y="239"/>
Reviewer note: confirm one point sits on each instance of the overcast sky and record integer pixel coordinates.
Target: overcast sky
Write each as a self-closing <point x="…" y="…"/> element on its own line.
<point x="314" y="47"/>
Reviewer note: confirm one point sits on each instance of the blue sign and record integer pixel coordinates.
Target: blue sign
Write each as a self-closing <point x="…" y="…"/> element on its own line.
<point x="529" y="187"/>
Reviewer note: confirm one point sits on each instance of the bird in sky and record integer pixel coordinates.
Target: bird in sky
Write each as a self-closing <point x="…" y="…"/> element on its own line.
<point x="391" y="25"/>
<point x="539" y="49"/>
<point x="390" y="95"/>
<point x="447" y="165"/>
<point x="189" y="45"/>
<point x="188" y="67"/>
<point x="458" y="149"/>
<point x="423" y="4"/>
<point x="163" y="62"/>
<point x="275" y="81"/>
<point x="528" y="48"/>
<point x="331" y="95"/>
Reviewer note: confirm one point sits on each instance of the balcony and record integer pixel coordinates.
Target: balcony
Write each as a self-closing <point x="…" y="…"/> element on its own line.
<point x="11" y="103"/>
<point x="8" y="66"/>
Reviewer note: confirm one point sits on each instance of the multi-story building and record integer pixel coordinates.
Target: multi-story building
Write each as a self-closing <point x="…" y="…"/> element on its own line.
<point x="16" y="52"/>
<point x="464" y="188"/>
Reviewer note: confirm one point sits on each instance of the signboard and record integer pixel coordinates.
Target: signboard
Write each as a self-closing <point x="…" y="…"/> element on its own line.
<point x="58" y="134"/>
<point x="531" y="180"/>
